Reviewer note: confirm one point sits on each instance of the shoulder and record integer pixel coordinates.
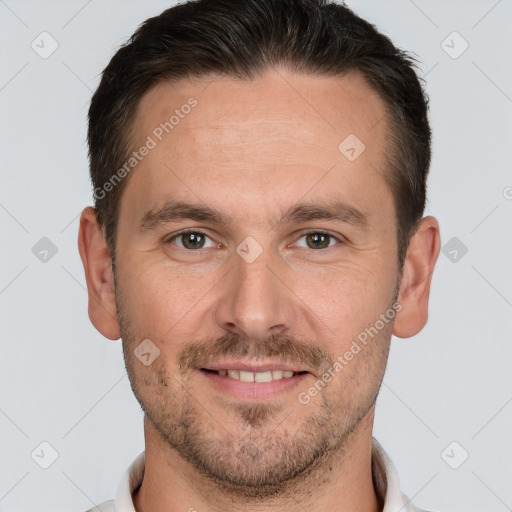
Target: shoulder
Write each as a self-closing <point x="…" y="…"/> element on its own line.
<point x="410" y="507"/>
<point x="106" y="506"/>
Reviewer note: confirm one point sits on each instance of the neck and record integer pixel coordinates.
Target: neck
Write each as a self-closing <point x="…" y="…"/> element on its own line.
<point x="341" y="481"/>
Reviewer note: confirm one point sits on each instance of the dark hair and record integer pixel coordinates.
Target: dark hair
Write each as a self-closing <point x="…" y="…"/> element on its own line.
<point x="243" y="38"/>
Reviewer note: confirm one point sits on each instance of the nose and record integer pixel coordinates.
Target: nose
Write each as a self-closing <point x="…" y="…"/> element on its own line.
<point x="256" y="300"/>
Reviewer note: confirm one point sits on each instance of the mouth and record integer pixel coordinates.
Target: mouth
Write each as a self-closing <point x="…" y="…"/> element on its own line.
<point x="261" y="376"/>
<point x="254" y="382"/>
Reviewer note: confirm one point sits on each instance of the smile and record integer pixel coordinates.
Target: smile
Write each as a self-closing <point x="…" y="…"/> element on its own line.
<point x="247" y="376"/>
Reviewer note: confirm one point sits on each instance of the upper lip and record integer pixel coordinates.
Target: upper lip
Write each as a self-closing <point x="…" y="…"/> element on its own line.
<point x="256" y="367"/>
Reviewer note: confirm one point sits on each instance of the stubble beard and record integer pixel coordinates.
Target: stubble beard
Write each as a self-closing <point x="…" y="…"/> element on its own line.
<point x="262" y="454"/>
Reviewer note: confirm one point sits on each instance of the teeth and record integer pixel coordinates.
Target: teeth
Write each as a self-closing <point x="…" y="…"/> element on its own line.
<point x="234" y="374"/>
<point x="263" y="376"/>
<point x="246" y="376"/>
<point x="267" y="376"/>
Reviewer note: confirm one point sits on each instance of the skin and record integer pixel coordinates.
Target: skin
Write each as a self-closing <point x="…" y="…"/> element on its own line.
<point x="252" y="149"/>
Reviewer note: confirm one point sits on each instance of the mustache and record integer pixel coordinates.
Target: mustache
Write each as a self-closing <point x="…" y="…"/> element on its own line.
<point x="280" y="347"/>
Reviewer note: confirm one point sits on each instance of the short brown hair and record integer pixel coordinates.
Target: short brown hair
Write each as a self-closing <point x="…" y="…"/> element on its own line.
<point x="243" y="38"/>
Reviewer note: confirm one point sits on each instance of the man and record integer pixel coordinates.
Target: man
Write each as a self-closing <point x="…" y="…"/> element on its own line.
<point x="259" y="172"/>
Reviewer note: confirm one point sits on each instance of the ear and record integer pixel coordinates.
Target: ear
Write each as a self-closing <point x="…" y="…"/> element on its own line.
<point x="414" y="292"/>
<point x="98" y="274"/>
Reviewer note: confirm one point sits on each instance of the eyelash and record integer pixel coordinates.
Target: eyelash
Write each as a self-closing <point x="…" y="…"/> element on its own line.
<point x="304" y="233"/>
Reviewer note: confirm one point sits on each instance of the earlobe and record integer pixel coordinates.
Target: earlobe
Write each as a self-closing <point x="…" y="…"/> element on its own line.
<point x="420" y="261"/>
<point x="98" y="274"/>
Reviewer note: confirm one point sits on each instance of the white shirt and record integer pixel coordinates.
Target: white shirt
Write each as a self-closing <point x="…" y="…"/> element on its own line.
<point x="384" y="473"/>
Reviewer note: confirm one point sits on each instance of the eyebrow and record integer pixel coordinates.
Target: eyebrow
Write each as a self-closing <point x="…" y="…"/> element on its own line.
<point x="175" y="210"/>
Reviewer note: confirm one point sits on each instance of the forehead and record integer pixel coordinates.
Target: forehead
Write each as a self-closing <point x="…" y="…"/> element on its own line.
<point x="268" y="141"/>
<point x="271" y="103"/>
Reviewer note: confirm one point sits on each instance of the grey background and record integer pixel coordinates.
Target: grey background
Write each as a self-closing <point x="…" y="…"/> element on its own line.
<point x="64" y="384"/>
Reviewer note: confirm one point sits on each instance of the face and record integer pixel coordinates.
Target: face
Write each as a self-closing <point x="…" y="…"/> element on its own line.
<point x="249" y="241"/>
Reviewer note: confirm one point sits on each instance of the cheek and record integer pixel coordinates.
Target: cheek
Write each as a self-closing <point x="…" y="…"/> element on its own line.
<point x="165" y="303"/>
<point x="346" y="301"/>
<point x="360" y="318"/>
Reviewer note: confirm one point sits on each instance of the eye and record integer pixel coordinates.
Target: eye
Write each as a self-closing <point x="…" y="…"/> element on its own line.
<point x="192" y="240"/>
<point x="318" y="240"/>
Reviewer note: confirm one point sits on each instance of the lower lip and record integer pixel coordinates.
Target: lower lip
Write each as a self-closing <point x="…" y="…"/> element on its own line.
<point x="254" y="390"/>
